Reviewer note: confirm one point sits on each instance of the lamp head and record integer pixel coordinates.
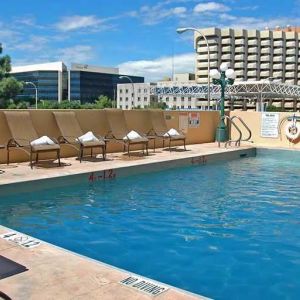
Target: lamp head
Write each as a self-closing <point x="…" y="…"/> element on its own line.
<point x="230" y="74"/>
<point x="181" y="30"/>
<point x="224" y="67"/>
<point x="215" y="74"/>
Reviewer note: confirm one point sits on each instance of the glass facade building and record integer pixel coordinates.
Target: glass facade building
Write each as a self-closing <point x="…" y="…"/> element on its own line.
<point x="88" y="86"/>
<point x="47" y="83"/>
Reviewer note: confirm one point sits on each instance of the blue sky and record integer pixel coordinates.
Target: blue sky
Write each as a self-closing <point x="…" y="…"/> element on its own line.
<point x="137" y="36"/>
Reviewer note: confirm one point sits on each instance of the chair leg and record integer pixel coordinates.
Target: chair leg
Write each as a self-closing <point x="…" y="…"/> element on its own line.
<point x="91" y="152"/>
<point x="36" y="157"/>
<point x="103" y="152"/>
<point x="154" y="145"/>
<point x="128" y="150"/>
<point x="58" y="157"/>
<point x="184" y="145"/>
<point x="7" y="158"/>
<point x="147" y="148"/>
<point x="31" y="159"/>
<point x="163" y="143"/>
<point x="80" y="154"/>
<point x="170" y="145"/>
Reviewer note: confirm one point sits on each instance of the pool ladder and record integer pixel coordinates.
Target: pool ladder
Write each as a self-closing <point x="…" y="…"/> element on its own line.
<point x="237" y="141"/>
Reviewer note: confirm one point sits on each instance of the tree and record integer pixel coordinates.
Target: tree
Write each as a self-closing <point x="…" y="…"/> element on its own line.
<point x="9" y="86"/>
<point x="103" y="102"/>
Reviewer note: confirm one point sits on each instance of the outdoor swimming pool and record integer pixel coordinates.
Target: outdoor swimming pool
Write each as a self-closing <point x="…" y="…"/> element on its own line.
<point x="225" y="230"/>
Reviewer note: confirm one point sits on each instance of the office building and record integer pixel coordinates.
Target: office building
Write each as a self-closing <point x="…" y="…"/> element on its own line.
<point x="87" y="83"/>
<point x="81" y="82"/>
<point x="254" y="55"/>
<point x="50" y="79"/>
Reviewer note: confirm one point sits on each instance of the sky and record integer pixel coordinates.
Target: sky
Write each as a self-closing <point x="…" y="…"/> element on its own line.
<point x="138" y="36"/>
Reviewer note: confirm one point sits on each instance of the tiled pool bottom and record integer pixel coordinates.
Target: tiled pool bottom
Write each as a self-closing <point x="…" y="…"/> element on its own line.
<point x="221" y="230"/>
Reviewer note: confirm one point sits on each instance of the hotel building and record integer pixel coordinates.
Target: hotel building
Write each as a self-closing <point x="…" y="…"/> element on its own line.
<point x="254" y="55"/>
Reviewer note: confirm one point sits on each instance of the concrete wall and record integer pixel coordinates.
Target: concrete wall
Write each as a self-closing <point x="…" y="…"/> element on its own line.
<point x="95" y="120"/>
<point x="253" y="120"/>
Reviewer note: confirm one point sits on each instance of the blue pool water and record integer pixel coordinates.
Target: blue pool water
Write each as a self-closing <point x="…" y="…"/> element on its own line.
<point x="228" y="230"/>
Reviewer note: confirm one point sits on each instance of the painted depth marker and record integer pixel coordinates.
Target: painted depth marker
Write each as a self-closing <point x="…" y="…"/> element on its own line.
<point x="20" y="239"/>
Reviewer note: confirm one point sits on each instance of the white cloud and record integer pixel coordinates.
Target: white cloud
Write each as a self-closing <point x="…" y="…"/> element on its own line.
<point x="78" y="53"/>
<point x="151" y="15"/>
<point x="72" y="23"/>
<point x="158" y="68"/>
<point x="210" y="7"/>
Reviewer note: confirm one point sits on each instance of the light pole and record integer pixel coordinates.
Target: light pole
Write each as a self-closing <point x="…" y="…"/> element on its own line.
<point x="36" y="92"/>
<point x="132" y="94"/>
<point x="182" y="30"/>
<point x="226" y="77"/>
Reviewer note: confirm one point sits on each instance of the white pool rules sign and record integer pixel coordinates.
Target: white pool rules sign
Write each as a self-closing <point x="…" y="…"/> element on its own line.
<point x="269" y="125"/>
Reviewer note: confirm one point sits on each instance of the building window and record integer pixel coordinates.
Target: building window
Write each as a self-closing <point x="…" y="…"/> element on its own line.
<point x="126" y="99"/>
<point x="182" y="106"/>
<point x="182" y="98"/>
<point x="121" y="91"/>
<point x="139" y="98"/>
<point x="121" y="99"/>
<point x="190" y="99"/>
<point x="174" y="98"/>
<point x="189" y="106"/>
<point x="139" y="90"/>
<point x="145" y="90"/>
<point x="145" y="98"/>
<point x="167" y="99"/>
<point x="126" y="106"/>
<point x="126" y="91"/>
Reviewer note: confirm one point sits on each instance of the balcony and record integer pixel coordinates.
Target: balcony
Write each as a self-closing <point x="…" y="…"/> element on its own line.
<point x="253" y="57"/>
<point x="290" y="74"/>
<point x="252" y="50"/>
<point x="278" y="51"/>
<point x="290" y="67"/>
<point x="226" y="49"/>
<point x="278" y="58"/>
<point x="277" y="66"/>
<point x="265" y="58"/>
<point x="265" y="74"/>
<point x="239" y="57"/>
<point x="204" y="64"/>
<point x="203" y="57"/>
<point x="265" y="66"/>
<point x="291" y="51"/>
<point x="252" y="65"/>
<point x="265" y="43"/>
<point x="278" y="43"/>
<point x="226" y="41"/>
<point x="265" y="51"/>
<point x="239" y="65"/>
<point x="290" y="81"/>
<point x="252" y="42"/>
<point x="291" y="43"/>
<point x="277" y="74"/>
<point x="240" y="49"/>
<point x="226" y="56"/>
<point x="239" y="42"/>
<point x="239" y="72"/>
<point x="252" y="73"/>
<point x="290" y="59"/>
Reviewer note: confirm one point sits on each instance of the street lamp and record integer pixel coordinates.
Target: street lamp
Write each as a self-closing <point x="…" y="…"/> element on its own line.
<point x="226" y="77"/>
<point x="36" y="92"/>
<point x="132" y="94"/>
<point x="182" y="30"/>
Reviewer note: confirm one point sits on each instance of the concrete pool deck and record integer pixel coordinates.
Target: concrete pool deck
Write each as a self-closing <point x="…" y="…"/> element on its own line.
<point x="55" y="273"/>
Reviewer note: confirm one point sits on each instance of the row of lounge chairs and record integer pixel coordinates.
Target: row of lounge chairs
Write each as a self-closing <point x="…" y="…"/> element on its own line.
<point x="25" y="136"/>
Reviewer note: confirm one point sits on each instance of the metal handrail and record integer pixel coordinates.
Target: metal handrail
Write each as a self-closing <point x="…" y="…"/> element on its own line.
<point x="246" y="126"/>
<point x="237" y="141"/>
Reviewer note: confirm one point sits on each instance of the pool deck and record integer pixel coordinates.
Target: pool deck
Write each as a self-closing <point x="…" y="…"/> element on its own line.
<point x="55" y="273"/>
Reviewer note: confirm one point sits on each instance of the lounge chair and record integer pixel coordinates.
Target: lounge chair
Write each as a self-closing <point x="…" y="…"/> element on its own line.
<point x="70" y="132"/>
<point x="160" y="129"/>
<point x="23" y="134"/>
<point x="120" y="133"/>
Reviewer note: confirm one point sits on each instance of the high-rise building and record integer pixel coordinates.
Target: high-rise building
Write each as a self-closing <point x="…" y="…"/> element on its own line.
<point x="254" y="55"/>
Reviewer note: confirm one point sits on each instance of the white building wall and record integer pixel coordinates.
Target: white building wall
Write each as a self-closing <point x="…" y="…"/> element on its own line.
<point x="131" y="96"/>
